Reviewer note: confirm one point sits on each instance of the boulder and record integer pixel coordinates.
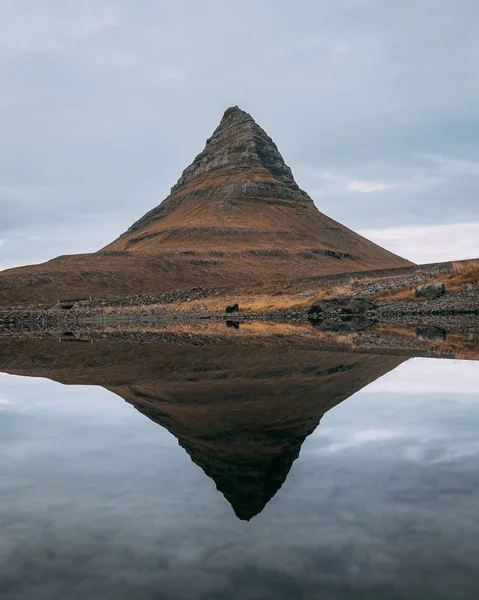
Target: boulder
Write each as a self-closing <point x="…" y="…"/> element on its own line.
<point x="430" y="291"/>
<point x="342" y="304"/>
<point x="330" y="304"/>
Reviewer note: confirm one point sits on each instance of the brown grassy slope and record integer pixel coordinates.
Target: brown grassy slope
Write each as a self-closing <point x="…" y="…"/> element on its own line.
<point x="105" y="276"/>
<point x="213" y="218"/>
<point x="238" y="194"/>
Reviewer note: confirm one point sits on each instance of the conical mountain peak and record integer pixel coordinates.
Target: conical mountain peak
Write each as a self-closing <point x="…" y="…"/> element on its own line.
<point x="237" y="208"/>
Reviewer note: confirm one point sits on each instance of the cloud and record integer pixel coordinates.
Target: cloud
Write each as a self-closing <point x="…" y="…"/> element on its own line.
<point x="360" y="438"/>
<point x="339" y="184"/>
<point x="366" y="187"/>
<point x="425" y="244"/>
<point x="457" y="379"/>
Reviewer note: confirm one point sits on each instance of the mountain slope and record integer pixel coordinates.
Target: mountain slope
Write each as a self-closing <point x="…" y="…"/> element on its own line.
<point x="238" y="194"/>
<point x="235" y="216"/>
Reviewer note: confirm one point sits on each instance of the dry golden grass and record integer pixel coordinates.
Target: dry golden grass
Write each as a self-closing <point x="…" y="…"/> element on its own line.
<point x="465" y="274"/>
<point x="265" y="303"/>
<point x="258" y="304"/>
<point x="468" y="272"/>
<point x="396" y="331"/>
<point x="343" y="289"/>
<point x="396" y="295"/>
<point x="248" y="304"/>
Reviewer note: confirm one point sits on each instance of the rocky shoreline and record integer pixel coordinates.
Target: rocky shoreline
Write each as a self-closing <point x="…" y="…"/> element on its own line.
<point x="388" y="310"/>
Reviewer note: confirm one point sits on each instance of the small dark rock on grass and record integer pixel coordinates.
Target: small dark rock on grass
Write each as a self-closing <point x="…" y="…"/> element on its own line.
<point x="233" y="308"/>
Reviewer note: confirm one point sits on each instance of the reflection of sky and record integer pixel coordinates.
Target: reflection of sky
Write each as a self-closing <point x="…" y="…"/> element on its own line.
<point x="98" y="502"/>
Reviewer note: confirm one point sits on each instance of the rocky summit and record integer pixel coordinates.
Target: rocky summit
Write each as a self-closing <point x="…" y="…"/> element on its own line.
<point x="237" y="195"/>
<point x="235" y="216"/>
<point x="238" y="191"/>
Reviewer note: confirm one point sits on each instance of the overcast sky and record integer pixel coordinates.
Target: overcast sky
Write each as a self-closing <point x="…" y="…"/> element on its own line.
<point x="373" y="103"/>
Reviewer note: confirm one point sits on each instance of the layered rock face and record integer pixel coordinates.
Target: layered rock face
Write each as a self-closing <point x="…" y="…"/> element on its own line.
<point x="239" y="166"/>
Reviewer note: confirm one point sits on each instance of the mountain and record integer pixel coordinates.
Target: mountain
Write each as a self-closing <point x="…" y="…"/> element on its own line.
<point x="236" y="215"/>
<point x="240" y="408"/>
<point x="237" y="195"/>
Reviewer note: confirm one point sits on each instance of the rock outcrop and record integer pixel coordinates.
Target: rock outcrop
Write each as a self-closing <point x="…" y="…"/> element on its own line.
<point x="345" y="305"/>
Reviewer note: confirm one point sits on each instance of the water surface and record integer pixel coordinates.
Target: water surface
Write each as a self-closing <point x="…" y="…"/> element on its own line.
<point x="380" y="499"/>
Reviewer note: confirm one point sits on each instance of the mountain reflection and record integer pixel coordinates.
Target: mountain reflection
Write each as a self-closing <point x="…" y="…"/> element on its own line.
<point x="240" y="408"/>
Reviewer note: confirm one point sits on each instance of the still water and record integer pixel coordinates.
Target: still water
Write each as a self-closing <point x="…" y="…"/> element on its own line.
<point x="100" y="502"/>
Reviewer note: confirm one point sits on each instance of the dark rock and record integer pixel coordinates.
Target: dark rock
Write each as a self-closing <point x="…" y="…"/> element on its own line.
<point x="341" y="304"/>
<point x="430" y="291"/>
<point x="328" y="305"/>
<point x="431" y="332"/>
<point x="233" y="324"/>
<point x="231" y="309"/>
